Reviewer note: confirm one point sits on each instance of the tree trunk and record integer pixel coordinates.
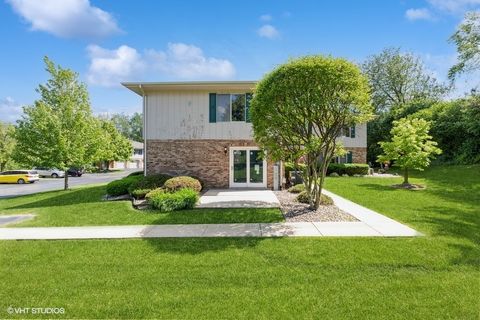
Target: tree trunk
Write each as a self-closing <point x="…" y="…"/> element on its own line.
<point x="65" y="187"/>
<point x="405" y="176"/>
<point x="2" y="166"/>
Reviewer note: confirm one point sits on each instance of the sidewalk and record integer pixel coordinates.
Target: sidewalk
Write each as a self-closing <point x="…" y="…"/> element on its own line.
<point x="371" y="224"/>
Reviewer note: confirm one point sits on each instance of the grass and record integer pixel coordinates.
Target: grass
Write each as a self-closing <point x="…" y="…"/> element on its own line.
<point x="431" y="277"/>
<point x="84" y="206"/>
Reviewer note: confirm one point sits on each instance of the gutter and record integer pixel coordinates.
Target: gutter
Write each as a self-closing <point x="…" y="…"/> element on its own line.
<point x="144" y="129"/>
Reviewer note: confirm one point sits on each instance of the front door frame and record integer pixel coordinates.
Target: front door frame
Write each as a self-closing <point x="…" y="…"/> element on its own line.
<point x="247" y="184"/>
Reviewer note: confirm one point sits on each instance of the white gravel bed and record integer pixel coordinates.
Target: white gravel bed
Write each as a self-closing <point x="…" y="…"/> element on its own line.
<point x="294" y="211"/>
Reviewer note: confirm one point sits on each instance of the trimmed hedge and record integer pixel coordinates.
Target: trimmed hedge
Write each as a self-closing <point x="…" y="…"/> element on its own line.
<point x="324" y="199"/>
<point x="120" y="187"/>
<point x="182" y="182"/>
<point x="153" y="193"/>
<point x="149" y="182"/>
<point x="140" y="193"/>
<point x="178" y="200"/>
<point x="136" y="173"/>
<point x="348" y="168"/>
<point x="297" y="188"/>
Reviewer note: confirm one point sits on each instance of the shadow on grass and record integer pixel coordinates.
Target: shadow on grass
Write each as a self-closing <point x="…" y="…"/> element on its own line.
<point x="64" y="198"/>
<point x="459" y="224"/>
<point x="194" y="246"/>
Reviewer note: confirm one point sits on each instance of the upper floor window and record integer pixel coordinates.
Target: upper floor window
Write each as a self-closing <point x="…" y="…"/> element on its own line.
<point x="138" y="152"/>
<point x="348" y="132"/>
<point x="229" y="107"/>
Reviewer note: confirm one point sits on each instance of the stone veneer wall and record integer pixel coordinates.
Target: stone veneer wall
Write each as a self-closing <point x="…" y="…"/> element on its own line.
<point x="205" y="159"/>
<point x="359" y="155"/>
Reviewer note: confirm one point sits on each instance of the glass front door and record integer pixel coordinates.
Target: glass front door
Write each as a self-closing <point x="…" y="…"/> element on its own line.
<point x="247" y="168"/>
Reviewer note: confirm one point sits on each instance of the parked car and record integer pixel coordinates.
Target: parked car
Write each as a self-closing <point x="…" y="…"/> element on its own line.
<point x="19" y="176"/>
<point x="50" y="172"/>
<point x="75" y="172"/>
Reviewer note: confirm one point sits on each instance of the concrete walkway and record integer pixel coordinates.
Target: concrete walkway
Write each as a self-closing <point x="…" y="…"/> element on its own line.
<point x="371" y="224"/>
<point x="238" y="198"/>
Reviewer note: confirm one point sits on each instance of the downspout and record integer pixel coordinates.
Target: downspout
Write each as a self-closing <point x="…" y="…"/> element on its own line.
<point x="144" y="129"/>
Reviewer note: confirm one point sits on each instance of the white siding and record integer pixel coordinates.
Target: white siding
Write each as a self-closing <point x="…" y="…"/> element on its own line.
<point x="360" y="140"/>
<point x="185" y="115"/>
<point x="172" y="115"/>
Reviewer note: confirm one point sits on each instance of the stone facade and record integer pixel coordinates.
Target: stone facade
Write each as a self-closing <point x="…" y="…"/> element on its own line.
<point x="204" y="159"/>
<point x="359" y="155"/>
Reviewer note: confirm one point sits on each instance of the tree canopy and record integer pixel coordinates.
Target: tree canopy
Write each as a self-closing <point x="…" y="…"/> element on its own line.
<point x="7" y="144"/>
<point x="411" y="146"/>
<point x="467" y="40"/>
<point x="299" y="109"/>
<point x="129" y="126"/>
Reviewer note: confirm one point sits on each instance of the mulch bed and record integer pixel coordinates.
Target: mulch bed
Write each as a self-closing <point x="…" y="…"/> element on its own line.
<point x="294" y="211"/>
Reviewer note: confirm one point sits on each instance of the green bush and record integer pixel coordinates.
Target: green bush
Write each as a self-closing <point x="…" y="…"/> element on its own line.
<point x="348" y="168"/>
<point x="153" y="193"/>
<point x="178" y="200"/>
<point x="136" y="173"/>
<point x="297" y="188"/>
<point x="140" y="193"/>
<point x="120" y="187"/>
<point x="182" y="182"/>
<point x="149" y="182"/>
<point x="324" y="199"/>
<point x="334" y="174"/>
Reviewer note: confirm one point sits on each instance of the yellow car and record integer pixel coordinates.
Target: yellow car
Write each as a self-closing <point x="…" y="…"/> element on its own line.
<point x="19" y="176"/>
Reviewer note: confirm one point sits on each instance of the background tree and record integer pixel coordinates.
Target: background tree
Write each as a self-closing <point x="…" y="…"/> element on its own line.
<point x="411" y="146"/>
<point x="129" y="126"/>
<point x="399" y="81"/>
<point x="114" y="146"/>
<point x="299" y="109"/>
<point x="58" y="130"/>
<point x="7" y="144"/>
<point x="467" y="41"/>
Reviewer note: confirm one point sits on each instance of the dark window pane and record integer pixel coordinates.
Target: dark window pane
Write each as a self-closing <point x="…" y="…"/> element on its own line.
<point x="240" y="166"/>
<point x="238" y="107"/>
<point x="256" y="166"/>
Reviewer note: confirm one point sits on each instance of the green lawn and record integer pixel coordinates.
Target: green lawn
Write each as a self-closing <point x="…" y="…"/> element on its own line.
<point x="84" y="206"/>
<point x="431" y="277"/>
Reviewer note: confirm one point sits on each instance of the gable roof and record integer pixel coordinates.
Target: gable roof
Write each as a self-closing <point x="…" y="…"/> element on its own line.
<point x="141" y="87"/>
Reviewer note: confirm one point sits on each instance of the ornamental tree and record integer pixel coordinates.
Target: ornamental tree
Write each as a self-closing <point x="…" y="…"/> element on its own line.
<point x="411" y="146"/>
<point x="58" y="130"/>
<point x="299" y="109"/>
<point x="7" y="144"/>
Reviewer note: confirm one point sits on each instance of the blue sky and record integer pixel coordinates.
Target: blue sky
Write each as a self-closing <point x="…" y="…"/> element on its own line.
<point x="111" y="41"/>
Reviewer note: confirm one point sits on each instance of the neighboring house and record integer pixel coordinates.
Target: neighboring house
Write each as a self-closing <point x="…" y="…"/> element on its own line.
<point x="135" y="161"/>
<point x="202" y="129"/>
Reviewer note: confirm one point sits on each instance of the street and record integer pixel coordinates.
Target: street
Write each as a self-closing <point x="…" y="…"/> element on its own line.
<point x="48" y="184"/>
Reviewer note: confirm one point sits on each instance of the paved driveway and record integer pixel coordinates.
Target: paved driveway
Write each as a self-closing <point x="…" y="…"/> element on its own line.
<point x="48" y="184"/>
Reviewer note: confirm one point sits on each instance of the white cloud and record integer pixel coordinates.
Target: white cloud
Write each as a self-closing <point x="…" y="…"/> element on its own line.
<point x="454" y="6"/>
<point x="109" y="67"/>
<point x="10" y="110"/>
<point x="265" y="17"/>
<point x="66" y="18"/>
<point x="179" y="60"/>
<point x="268" y="31"/>
<point x="418" y="14"/>
<point x="186" y="61"/>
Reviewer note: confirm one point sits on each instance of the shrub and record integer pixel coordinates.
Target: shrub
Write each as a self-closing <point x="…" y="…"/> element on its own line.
<point x="348" y="168"/>
<point x="178" y="200"/>
<point x="345" y="175"/>
<point x="334" y="174"/>
<point x="153" y="193"/>
<point x="324" y="199"/>
<point x="140" y="193"/>
<point x="297" y="188"/>
<point x="182" y="182"/>
<point x="149" y="182"/>
<point x="136" y="173"/>
<point x="120" y="187"/>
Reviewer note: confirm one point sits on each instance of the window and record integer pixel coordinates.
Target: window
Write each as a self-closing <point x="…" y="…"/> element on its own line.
<point x="348" y="132"/>
<point x="138" y="152"/>
<point x="347" y="158"/>
<point x="223" y="107"/>
<point x="230" y="107"/>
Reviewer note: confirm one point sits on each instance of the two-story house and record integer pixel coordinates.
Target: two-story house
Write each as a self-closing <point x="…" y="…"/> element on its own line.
<point x="203" y="129"/>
